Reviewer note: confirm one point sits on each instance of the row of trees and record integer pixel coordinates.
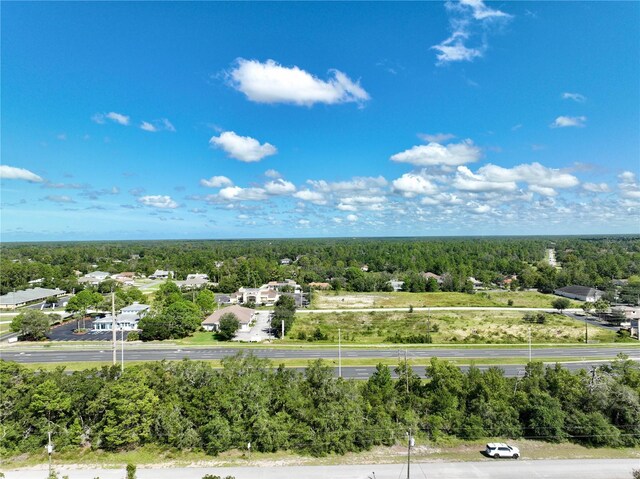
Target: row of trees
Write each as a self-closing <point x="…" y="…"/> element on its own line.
<point x="588" y="261"/>
<point x="191" y="405"/>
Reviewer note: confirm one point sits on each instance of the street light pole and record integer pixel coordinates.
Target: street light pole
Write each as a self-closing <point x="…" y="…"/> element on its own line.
<point x="529" y="343"/>
<point x="339" y="354"/>
<point x="113" y="327"/>
<point x="122" y="354"/>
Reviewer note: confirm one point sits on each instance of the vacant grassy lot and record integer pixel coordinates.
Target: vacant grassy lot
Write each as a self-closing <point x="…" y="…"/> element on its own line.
<point x="4" y="327"/>
<point x="521" y="299"/>
<point x="447" y="327"/>
<point x="454" y="450"/>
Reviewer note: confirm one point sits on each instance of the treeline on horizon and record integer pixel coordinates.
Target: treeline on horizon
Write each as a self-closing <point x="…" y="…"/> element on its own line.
<point x="589" y="261"/>
<point x="189" y="405"/>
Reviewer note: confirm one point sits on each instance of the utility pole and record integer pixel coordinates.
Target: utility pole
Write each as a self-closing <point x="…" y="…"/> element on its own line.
<point x="406" y="373"/>
<point x="586" y="331"/>
<point x="283" y="329"/>
<point x="410" y="444"/>
<point x="339" y="354"/>
<point x="529" y="343"/>
<point x="113" y="326"/>
<point x="122" y="354"/>
<point x="49" y="449"/>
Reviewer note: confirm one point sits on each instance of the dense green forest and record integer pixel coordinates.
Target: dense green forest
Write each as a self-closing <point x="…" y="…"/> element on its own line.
<point x="191" y="405"/>
<point x="592" y="261"/>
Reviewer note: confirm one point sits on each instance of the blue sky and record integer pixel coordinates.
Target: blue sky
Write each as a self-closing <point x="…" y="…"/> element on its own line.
<point x="248" y="120"/>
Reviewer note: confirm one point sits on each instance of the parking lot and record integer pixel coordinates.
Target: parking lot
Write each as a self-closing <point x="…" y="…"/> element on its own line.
<point x="64" y="332"/>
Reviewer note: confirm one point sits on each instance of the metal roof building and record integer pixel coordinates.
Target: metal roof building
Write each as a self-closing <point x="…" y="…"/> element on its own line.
<point x="20" y="298"/>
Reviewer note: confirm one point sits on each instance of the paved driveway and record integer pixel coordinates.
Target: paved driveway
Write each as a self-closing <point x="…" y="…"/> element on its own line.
<point x="260" y="330"/>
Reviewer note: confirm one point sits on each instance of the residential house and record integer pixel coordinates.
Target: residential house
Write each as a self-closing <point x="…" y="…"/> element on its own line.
<point x="161" y="274"/>
<point x="126" y="277"/>
<point x="194" y="280"/>
<point x="245" y="317"/>
<point x="285" y="261"/>
<point x="15" y="299"/>
<point x="396" y="284"/>
<point x="94" y="278"/>
<point x="364" y="268"/>
<point x="582" y="293"/>
<point x="428" y="275"/>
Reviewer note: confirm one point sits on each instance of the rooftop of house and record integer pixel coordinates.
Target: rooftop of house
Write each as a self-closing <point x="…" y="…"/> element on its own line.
<point x="243" y="314"/>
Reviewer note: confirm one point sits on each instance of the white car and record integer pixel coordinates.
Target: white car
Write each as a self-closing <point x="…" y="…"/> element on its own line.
<point x="500" y="449"/>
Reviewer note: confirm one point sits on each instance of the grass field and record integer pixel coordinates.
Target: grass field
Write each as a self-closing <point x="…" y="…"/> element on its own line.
<point x="467" y="327"/>
<point x="521" y="299"/>
<point x="4" y="327"/>
<point x="424" y="451"/>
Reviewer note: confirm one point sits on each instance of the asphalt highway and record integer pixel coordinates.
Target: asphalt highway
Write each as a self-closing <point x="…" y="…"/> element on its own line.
<point x="133" y="353"/>
<point x="482" y="469"/>
<point x="562" y="354"/>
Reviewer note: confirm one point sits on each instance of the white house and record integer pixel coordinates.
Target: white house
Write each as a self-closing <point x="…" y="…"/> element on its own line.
<point x="161" y="274"/>
<point x="127" y="320"/>
<point x="94" y="278"/>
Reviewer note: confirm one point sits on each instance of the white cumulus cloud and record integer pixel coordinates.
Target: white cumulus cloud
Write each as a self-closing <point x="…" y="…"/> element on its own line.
<point x="435" y="154"/>
<point x="568" y="121"/>
<point x="543" y="190"/>
<point x="629" y="185"/>
<point x="271" y="82"/>
<point x="352" y="218"/>
<point x="243" y="148"/>
<point x="279" y="187"/>
<point x="411" y="184"/>
<point x="466" y="180"/>
<point x="235" y="193"/>
<point x="216" y="182"/>
<point x="311" y="196"/>
<point x="534" y="173"/>
<point x="14" y="173"/>
<point x="158" y="201"/>
<point x="596" y="187"/>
